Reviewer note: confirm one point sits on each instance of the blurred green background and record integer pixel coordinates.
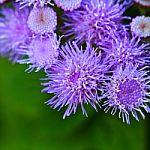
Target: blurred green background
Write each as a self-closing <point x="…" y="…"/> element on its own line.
<point x="27" y="124"/>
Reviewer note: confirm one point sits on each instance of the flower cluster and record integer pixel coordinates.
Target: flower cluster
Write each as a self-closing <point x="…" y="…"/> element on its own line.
<point x="104" y="63"/>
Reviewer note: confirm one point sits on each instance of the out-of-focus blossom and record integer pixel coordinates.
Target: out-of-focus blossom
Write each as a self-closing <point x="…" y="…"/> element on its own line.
<point x="68" y="4"/>
<point x="94" y="20"/>
<point x="40" y="53"/>
<point x="13" y="31"/>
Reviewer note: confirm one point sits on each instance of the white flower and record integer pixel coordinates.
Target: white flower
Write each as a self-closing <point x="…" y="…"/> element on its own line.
<point x="42" y="20"/>
<point x="141" y="26"/>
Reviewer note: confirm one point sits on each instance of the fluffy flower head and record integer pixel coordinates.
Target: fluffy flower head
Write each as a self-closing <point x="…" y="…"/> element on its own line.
<point x="141" y="26"/>
<point x="42" y="20"/>
<point x="41" y="53"/>
<point x="68" y="4"/>
<point x="127" y="91"/>
<point x="75" y="79"/>
<point x="93" y="20"/>
<point x="13" y="31"/>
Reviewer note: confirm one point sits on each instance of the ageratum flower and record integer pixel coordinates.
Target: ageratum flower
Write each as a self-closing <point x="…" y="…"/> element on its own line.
<point x="13" y="31"/>
<point x="124" y="49"/>
<point x="127" y="91"/>
<point x="93" y="20"/>
<point x="42" y="20"/>
<point x="141" y="26"/>
<point x="40" y="53"/>
<point x="143" y="2"/>
<point x="74" y="79"/>
<point x="68" y="4"/>
<point x="35" y="3"/>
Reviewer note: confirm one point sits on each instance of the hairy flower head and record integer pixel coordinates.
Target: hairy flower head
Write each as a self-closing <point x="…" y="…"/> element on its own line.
<point x="2" y="1"/>
<point x="143" y="2"/>
<point x="35" y="3"/>
<point x="93" y="20"/>
<point x="127" y="91"/>
<point x="13" y="31"/>
<point x="75" y="78"/>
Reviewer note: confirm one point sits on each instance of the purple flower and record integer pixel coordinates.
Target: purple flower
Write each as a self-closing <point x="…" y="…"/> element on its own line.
<point x="124" y="49"/>
<point x="13" y="31"/>
<point x="127" y="91"/>
<point x="40" y="53"/>
<point x="75" y="79"/>
<point x="2" y="1"/>
<point x="93" y="20"/>
<point x="35" y="3"/>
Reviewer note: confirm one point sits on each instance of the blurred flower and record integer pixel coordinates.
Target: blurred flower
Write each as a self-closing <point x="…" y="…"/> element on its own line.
<point x="13" y="31"/>
<point x="68" y="4"/>
<point x="141" y="26"/>
<point x="75" y="79"/>
<point x="2" y="1"/>
<point x="35" y="3"/>
<point x="93" y="20"/>
<point x="143" y="2"/>
<point x="40" y="53"/>
<point x="124" y="49"/>
<point x="127" y="91"/>
<point x="42" y="20"/>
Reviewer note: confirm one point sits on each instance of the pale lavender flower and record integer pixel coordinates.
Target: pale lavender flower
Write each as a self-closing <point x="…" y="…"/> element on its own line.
<point x="128" y="92"/>
<point x="94" y="20"/>
<point x="13" y="31"/>
<point x="40" y="53"/>
<point x="124" y="49"/>
<point x="75" y="79"/>
<point x="35" y="3"/>
<point x="141" y="26"/>
<point x="42" y="20"/>
<point x="68" y="4"/>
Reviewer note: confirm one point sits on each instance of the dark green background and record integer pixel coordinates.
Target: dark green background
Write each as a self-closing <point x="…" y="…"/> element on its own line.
<point x="27" y="124"/>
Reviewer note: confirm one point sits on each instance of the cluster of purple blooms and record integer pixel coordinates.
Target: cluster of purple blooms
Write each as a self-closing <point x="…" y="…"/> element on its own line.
<point x="104" y="63"/>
